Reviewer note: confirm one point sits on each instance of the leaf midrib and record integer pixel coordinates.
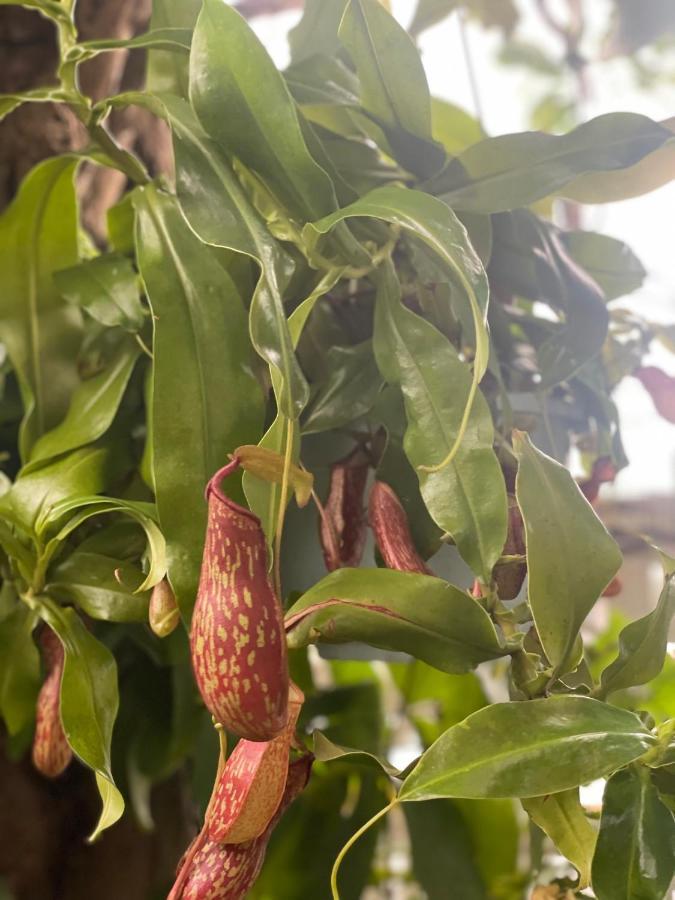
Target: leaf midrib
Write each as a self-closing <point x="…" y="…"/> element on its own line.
<point x="505" y="755"/>
<point x="186" y="290"/>
<point x="458" y="192"/>
<point x="375" y="610"/>
<point x="35" y="247"/>
<point x="475" y="518"/>
<point x="261" y="243"/>
<point x="308" y="162"/>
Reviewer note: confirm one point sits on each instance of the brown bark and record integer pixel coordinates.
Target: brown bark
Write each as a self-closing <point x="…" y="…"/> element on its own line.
<point x="35" y="131"/>
<point x="43" y="829"/>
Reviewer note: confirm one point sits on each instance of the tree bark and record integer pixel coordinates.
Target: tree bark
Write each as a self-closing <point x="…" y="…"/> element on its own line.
<point x="35" y="131"/>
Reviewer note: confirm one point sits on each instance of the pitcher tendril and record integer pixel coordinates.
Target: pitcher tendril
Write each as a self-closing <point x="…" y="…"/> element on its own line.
<point x="283" y="500"/>
<point x="352" y="840"/>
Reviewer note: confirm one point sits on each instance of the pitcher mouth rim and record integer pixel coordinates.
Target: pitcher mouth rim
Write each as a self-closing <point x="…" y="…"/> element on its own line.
<point x="213" y="487"/>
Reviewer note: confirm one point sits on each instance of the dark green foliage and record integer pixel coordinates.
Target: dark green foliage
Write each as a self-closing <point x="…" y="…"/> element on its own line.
<point x="341" y="265"/>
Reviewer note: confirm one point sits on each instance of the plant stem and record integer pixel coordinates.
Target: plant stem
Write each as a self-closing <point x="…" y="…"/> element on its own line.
<point x="283" y="499"/>
<point x="124" y="161"/>
<point x="471" y="71"/>
<point x="352" y="840"/>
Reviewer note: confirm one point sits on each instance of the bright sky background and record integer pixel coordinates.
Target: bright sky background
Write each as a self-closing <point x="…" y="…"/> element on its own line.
<point x="646" y="223"/>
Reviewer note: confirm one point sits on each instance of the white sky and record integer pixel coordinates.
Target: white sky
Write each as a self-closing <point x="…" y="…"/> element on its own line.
<point x="646" y="223"/>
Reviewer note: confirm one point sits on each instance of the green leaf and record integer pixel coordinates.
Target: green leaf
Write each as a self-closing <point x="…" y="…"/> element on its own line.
<point x="50" y="9"/>
<point x="121" y="539"/>
<point x="651" y="172"/>
<point x="562" y="817"/>
<point x="611" y="263"/>
<point x="530" y="259"/>
<point x="102" y="587"/>
<point x="85" y="471"/>
<point x="89" y="702"/>
<point x="38" y="234"/>
<point x="323" y="82"/>
<point x="120" y="225"/>
<point x="490" y="13"/>
<point x="326" y="751"/>
<point x="206" y="401"/>
<point x="87" y="507"/>
<point x="431" y="12"/>
<point x="107" y="287"/>
<point x="220" y="213"/>
<point x="453" y="127"/>
<point x="348" y="392"/>
<point x="93" y="406"/>
<point x="571" y="556"/>
<point x="515" y="170"/>
<point x="417" y="614"/>
<point x="531" y="56"/>
<point x="19" y="668"/>
<point x="9" y="102"/>
<point x="527" y="749"/>
<point x="582" y="334"/>
<point x="467" y="497"/>
<point x="317" y="31"/>
<point x="635" y="855"/>
<point x="169" y="71"/>
<point x="642" y="646"/>
<point x="168" y="39"/>
<point x="393" y="83"/>
<point x="436" y="228"/>
<point x="264" y="497"/>
<point x="228" y="64"/>
<point x="430" y="223"/>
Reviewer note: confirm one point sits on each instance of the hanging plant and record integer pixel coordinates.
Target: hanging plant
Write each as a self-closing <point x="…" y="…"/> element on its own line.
<point x="311" y="408"/>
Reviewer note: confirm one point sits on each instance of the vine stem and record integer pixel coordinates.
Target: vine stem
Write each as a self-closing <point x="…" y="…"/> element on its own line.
<point x="283" y="498"/>
<point x="121" y="159"/>
<point x="126" y="162"/>
<point x="352" y="840"/>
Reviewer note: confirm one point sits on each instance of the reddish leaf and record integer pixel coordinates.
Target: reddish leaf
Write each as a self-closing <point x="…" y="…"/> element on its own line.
<point x="392" y="532"/>
<point x="51" y="751"/>
<point x="251" y="784"/>
<point x="237" y="638"/>
<point x="661" y="389"/>
<point x="343" y="529"/>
